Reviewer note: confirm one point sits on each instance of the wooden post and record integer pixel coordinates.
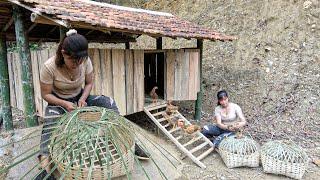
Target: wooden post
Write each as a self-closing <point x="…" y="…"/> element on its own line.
<point x="63" y="32"/>
<point x="159" y="43"/>
<point x="198" y="105"/>
<point x="5" y="109"/>
<point x="26" y="74"/>
<point x="127" y="44"/>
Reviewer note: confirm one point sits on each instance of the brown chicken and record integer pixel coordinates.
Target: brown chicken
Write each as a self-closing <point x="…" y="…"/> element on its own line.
<point x="154" y="95"/>
<point x="239" y="133"/>
<point x="189" y="129"/>
<point x="171" y="108"/>
<point x="172" y="120"/>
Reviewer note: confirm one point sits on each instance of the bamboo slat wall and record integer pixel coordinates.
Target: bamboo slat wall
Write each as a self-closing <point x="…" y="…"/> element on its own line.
<point x="183" y="80"/>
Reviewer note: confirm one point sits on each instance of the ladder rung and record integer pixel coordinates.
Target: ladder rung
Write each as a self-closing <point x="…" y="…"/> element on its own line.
<point x="198" y="147"/>
<point x="206" y="153"/>
<point x="156" y="107"/>
<point x="166" y="125"/>
<point x="179" y="137"/>
<point x="161" y="120"/>
<point x="192" y="141"/>
<point x="175" y="129"/>
<point x="157" y="114"/>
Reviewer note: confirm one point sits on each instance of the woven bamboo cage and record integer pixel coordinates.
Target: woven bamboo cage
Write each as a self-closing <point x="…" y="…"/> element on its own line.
<point x="239" y="151"/>
<point x="279" y="157"/>
<point x="92" y="142"/>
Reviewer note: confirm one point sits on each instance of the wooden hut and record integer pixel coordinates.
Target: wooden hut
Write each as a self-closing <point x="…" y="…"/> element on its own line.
<point x="127" y="74"/>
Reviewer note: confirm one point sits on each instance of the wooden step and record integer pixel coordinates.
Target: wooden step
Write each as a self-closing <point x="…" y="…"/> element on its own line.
<point x="166" y="125"/>
<point x="156" y="107"/>
<point x="171" y="117"/>
<point x="206" y="153"/>
<point x="198" y="147"/>
<point x="158" y="113"/>
<point x="161" y="120"/>
<point x="192" y="141"/>
<point x="174" y="129"/>
<point x="179" y="137"/>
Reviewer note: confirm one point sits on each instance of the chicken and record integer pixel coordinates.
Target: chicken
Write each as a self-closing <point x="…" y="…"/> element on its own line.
<point x="171" y="108"/>
<point x="239" y="133"/>
<point x="189" y="129"/>
<point x="154" y="95"/>
<point x="172" y="120"/>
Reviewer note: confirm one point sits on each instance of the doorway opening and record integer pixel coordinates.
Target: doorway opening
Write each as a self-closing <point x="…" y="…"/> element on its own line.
<point x="154" y="75"/>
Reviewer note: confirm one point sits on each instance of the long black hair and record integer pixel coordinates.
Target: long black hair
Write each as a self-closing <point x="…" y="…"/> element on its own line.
<point x="74" y="45"/>
<point x="221" y="94"/>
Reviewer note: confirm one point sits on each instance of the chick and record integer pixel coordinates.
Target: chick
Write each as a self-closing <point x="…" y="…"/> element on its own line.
<point x="154" y="95"/>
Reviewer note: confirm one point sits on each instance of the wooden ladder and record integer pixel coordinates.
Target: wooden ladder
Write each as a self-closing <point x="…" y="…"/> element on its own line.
<point x="176" y="134"/>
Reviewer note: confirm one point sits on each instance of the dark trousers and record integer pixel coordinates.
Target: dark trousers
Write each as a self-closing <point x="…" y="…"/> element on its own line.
<point x="52" y="110"/>
<point x="211" y="131"/>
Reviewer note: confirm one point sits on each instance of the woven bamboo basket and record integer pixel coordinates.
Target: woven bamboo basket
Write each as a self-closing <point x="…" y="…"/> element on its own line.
<point x="239" y="151"/>
<point x="93" y="143"/>
<point x="279" y="157"/>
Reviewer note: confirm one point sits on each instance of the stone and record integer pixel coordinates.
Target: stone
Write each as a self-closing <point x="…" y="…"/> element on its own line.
<point x="307" y="4"/>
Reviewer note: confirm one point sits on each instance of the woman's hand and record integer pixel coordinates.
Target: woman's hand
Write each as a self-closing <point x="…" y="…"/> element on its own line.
<point x="237" y="125"/>
<point x="82" y="103"/>
<point x="69" y="106"/>
<point x="231" y="128"/>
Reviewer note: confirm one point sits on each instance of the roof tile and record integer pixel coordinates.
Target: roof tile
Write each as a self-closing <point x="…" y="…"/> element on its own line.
<point x="121" y="18"/>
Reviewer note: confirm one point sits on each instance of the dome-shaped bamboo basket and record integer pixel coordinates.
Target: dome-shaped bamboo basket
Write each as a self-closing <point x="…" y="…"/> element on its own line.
<point x="279" y="157"/>
<point x="239" y="151"/>
<point x="92" y="142"/>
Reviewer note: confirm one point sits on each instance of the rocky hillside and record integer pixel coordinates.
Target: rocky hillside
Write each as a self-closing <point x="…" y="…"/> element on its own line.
<point x="272" y="70"/>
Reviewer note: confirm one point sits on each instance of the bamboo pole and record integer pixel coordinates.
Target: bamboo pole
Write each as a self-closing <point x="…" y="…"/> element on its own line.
<point x="26" y="75"/>
<point x="5" y="109"/>
<point x="198" y="105"/>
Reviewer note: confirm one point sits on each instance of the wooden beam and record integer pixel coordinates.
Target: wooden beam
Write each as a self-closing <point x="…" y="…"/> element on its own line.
<point x="6" y="27"/>
<point x="127" y="44"/>
<point x="159" y="42"/>
<point x="26" y="74"/>
<point x="63" y="32"/>
<point x="11" y="37"/>
<point x="198" y="105"/>
<point x="31" y="27"/>
<point x="5" y="108"/>
<point x="41" y="19"/>
<point x="89" y="32"/>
